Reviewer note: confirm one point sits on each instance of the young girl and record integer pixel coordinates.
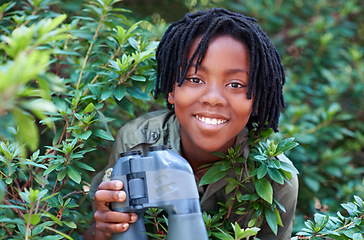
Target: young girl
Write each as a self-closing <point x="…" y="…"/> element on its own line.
<point x="220" y="74"/>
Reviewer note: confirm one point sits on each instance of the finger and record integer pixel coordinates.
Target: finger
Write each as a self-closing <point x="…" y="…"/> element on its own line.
<point x="111" y="185"/>
<point x="115" y="217"/>
<point x="112" y="227"/>
<point x="102" y="196"/>
<point x="110" y="221"/>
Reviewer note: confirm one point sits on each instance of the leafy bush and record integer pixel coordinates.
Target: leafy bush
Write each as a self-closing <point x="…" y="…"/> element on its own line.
<point x="339" y="227"/>
<point x="321" y="44"/>
<point x="68" y="82"/>
<point x="62" y="79"/>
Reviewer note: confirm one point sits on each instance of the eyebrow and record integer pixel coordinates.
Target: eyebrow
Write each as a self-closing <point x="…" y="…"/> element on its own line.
<point x="228" y="71"/>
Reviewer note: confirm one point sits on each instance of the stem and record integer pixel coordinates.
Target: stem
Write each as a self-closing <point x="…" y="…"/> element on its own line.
<point x="8" y="231"/>
<point x="89" y="50"/>
<point x="236" y="190"/>
<point x="55" y="184"/>
<point x="35" y="11"/>
<point x="15" y="197"/>
<point x="98" y="75"/>
<point x="123" y="78"/>
<point x="28" y="223"/>
<point x="20" y="214"/>
<point x="74" y="192"/>
<point x="232" y="202"/>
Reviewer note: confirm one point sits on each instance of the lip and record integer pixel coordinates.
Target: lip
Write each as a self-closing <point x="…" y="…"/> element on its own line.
<point x="211" y="119"/>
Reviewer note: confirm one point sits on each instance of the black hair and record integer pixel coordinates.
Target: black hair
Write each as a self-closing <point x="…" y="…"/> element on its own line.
<point x="266" y="75"/>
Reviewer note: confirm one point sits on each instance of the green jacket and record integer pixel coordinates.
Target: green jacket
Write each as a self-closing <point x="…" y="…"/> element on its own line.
<point x="163" y="128"/>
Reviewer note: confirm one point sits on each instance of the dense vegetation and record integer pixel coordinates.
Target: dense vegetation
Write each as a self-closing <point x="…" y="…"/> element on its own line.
<point x="71" y="74"/>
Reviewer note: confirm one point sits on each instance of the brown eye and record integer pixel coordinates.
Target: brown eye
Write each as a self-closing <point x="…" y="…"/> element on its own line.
<point x="194" y="80"/>
<point x="236" y="85"/>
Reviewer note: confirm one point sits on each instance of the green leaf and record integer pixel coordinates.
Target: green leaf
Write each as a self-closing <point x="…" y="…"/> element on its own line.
<point x="103" y="134"/>
<point x="232" y="184"/>
<point x="223" y="235"/>
<point x="271" y="219"/>
<point x="126" y="105"/>
<point x="134" y="43"/>
<point x="278" y="216"/>
<point x="264" y="189"/>
<point x="90" y="108"/>
<point x="119" y="92"/>
<point x="106" y="94"/>
<point x="312" y="183"/>
<point x="40" y="179"/>
<point x="9" y="220"/>
<point x="27" y="162"/>
<point x="245" y="234"/>
<point x="285" y="145"/>
<point x="62" y="174"/>
<point x="59" y="232"/>
<point x="74" y="174"/>
<point x="280" y="206"/>
<point x="359" y="201"/>
<point x="114" y="64"/>
<point x="275" y="175"/>
<point x="252" y="222"/>
<point x="54" y="218"/>
<point x="85" y="135"/>
<point x="70" y="224"/>
<point x="137" y="93"/>
<point x="83" y="165"/>
<point x="138" y="78"/>
<point x="50" y="169"/>
<point x="28" y="131"/>
<point x="265" y="133"/>
<point x="34" y="219"/>
<point x="288" y="167"/>
<point x="214" y="174"/>
<point x="262" y="171"/>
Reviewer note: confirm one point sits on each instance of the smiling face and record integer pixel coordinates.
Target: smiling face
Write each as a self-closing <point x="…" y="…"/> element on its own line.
<point x="212" y="105"/>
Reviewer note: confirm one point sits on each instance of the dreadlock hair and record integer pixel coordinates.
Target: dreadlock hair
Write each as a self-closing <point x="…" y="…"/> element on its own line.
<point x="266" y="75"/>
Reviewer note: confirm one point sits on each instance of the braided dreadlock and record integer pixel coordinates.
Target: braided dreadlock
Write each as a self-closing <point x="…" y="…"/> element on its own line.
<point x="266" y="76"/>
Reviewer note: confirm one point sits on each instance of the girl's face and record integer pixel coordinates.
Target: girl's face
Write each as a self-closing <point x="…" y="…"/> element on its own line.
<point x="212" y="105"/>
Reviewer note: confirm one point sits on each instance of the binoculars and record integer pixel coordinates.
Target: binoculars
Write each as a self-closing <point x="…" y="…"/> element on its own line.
<point x="163" y="179"/>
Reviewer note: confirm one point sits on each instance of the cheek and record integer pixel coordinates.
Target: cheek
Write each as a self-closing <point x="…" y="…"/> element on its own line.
<point x="244" y="108"/>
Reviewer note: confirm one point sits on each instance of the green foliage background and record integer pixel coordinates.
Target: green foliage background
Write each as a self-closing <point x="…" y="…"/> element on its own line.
<point x="68" y="82"/>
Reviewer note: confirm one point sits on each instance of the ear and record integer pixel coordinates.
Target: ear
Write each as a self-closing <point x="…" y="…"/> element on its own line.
<point x="171" y="98"/>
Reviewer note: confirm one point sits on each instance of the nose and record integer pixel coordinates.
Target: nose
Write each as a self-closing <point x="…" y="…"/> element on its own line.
<point x="213" y="95"/>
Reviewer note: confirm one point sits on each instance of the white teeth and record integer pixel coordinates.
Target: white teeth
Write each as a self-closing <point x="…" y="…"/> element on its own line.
<point x="212" y="121"/>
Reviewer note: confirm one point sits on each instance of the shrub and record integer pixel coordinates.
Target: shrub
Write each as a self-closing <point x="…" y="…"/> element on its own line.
<point x="321" y="47"/>
<point x="62" y="80"/>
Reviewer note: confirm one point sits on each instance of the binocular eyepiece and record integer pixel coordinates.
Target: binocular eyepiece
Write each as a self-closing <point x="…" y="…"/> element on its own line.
<point x="163" y="179"/>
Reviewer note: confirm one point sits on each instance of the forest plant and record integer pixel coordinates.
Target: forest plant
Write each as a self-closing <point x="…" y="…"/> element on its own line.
<point x="336" y="227"/>
<point x="67" y="83"/>
<point x="321" y="45"/>
<point x="60" y="76"/>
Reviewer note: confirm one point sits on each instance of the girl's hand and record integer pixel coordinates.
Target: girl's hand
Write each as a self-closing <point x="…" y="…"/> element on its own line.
<point x="108" y="221"/>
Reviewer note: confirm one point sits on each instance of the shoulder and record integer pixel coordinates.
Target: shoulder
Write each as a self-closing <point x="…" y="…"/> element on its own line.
<point x="148" y="129"/>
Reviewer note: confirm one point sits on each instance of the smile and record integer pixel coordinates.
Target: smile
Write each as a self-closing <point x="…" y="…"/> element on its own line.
<point x="212" y="121"/>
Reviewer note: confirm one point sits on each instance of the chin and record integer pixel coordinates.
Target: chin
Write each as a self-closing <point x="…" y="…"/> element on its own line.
<point x="211" y="148"/>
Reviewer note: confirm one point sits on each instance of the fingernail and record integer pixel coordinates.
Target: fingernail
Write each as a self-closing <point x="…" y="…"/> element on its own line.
<point x="120" y="196"/>
<point x="118" y="184"/>
<point x="133" y="217"/>
<point x="125" y="226"/>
